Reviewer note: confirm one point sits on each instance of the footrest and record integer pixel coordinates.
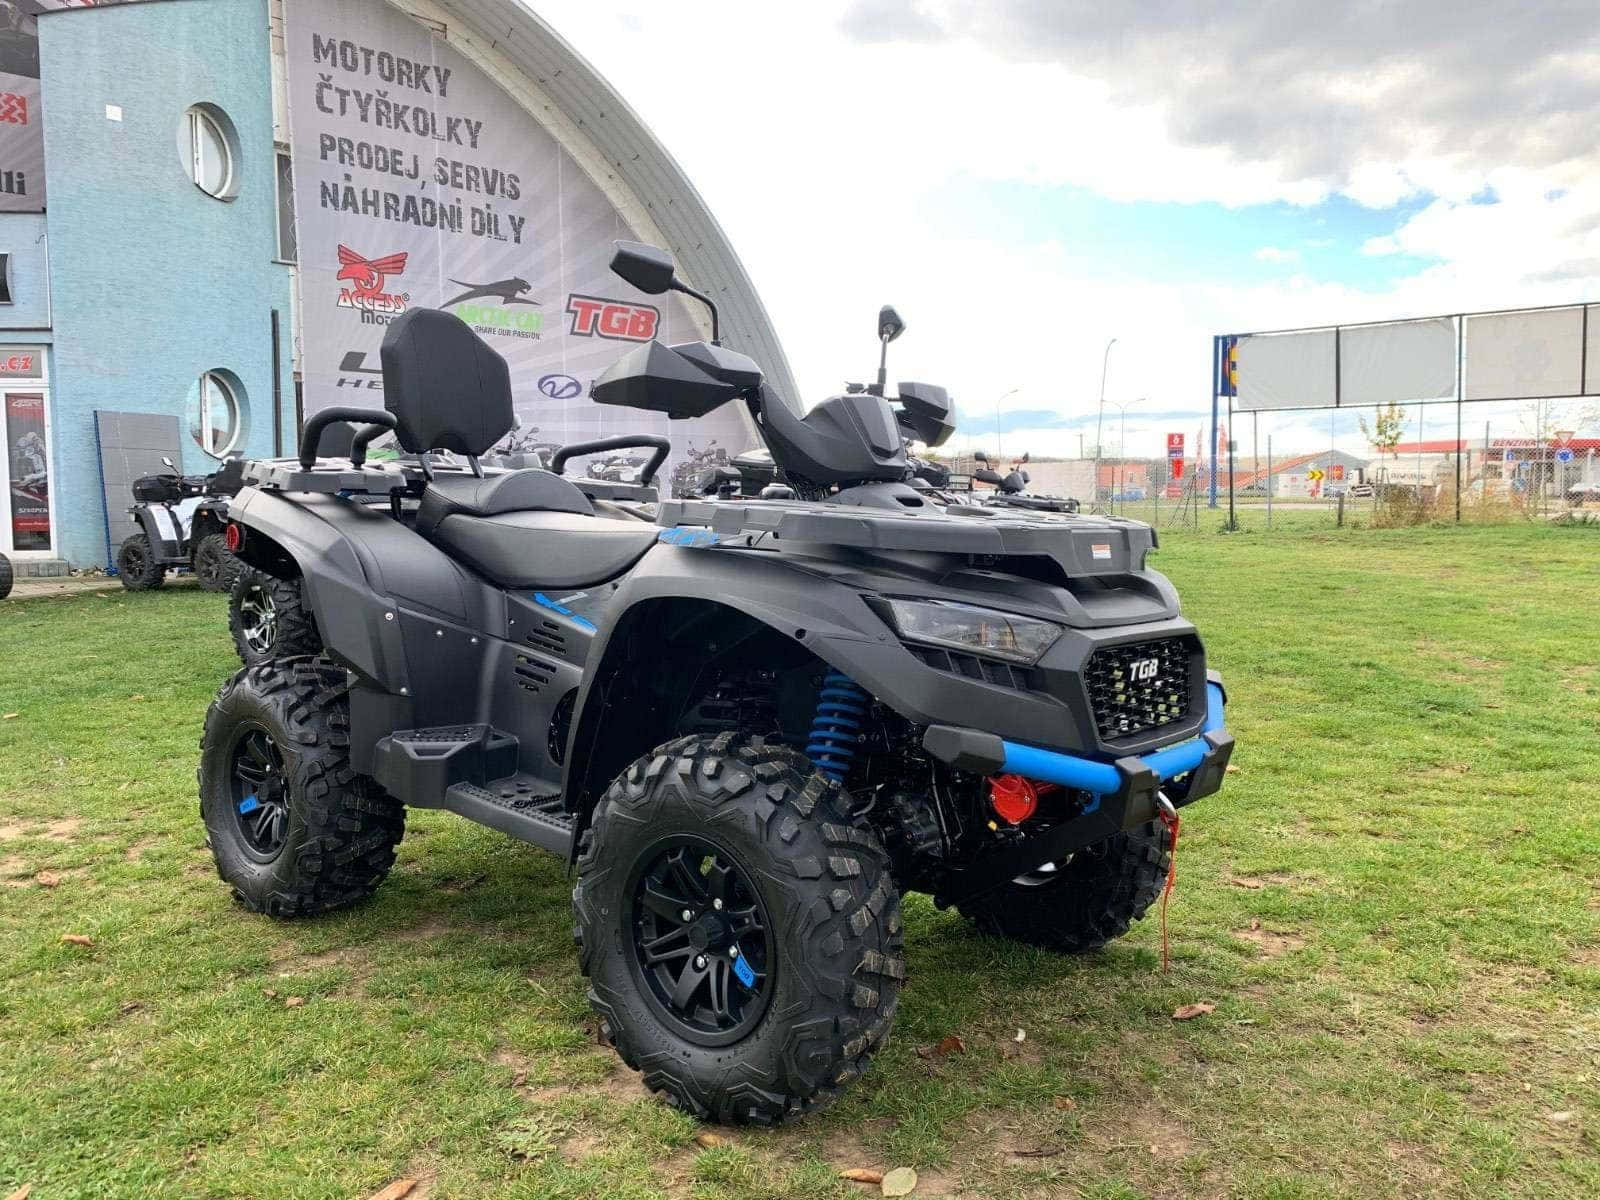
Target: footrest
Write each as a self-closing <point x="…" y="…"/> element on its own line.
<point x="522" y="805"/>
<point x="417" y="766"/>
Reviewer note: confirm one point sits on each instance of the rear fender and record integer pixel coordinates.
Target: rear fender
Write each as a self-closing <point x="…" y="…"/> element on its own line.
<point x="161" y="528"/>
<point x="387" y="604"/>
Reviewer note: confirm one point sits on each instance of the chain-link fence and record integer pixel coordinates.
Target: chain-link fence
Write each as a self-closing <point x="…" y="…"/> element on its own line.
<point x="1534" y="461"/>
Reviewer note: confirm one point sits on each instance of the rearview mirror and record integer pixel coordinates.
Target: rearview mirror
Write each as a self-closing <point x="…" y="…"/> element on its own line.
<point x="890" y="326"/>
<point x="980" y="456"/>
<point x="166" y="461"/>
<point x="648" y="268"/>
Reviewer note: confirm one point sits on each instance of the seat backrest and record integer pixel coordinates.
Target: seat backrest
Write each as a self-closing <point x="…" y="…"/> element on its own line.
<point x="446" y="388"/>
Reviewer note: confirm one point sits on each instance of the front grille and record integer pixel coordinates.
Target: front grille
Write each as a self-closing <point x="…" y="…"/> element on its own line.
<point x="1138" y="687"/>
<point x="988" y="670"/>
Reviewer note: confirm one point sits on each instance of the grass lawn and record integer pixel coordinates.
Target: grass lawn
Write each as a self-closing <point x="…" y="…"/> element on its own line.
<point x="1394" y="905"/>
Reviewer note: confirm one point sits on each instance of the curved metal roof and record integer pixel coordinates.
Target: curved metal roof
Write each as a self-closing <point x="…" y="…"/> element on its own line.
<point x="566" y="95"/>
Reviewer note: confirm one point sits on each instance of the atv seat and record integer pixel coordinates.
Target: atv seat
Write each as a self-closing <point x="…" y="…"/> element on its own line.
<point x="530" y="489"/>
<point x="543" y="547"/>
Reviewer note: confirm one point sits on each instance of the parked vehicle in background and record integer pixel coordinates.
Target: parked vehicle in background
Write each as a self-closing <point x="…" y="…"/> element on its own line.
<point x="1011" y="489"/>
<point x="182" y="521"/>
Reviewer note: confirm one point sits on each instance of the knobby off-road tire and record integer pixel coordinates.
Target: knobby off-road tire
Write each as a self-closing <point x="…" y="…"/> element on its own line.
<point x="1086" y="903"/>
<point x="137" y="566"/>
<point x="6" y="577"/>
<point x="214" y="564"/>
<point x="334" y="836"/>
<point x="834" y="926"/>
<point x="268" y="618"/>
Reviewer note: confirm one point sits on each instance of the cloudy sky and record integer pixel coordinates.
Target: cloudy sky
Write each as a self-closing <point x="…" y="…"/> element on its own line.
<point x="1026" y="179"/>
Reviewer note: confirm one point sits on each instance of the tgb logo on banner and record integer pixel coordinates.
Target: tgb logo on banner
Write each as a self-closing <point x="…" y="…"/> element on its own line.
<point x="595" y="316"/>
<point x="368" y="279"/>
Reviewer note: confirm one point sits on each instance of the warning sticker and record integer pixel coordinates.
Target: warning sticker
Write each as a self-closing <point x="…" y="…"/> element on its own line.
<point x="1100" y="549"/>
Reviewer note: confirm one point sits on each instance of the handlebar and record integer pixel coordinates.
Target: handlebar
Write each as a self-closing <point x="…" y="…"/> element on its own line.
<point x="376" y="419"/>
<point x="661" y="445"/>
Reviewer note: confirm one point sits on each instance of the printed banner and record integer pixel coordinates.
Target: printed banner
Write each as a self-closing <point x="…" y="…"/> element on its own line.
<point x="419" y="182"/>
<point x="29" y="465"/>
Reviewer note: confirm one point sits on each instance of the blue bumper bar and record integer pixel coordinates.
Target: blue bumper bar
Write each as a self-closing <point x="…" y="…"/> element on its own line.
<point x="1102" y="778"/>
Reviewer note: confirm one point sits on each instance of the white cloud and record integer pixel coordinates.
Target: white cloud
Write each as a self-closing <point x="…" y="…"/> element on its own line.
<point x="822" y="153"/>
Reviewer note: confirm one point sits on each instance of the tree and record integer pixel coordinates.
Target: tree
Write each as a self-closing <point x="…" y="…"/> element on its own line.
<point x="1387" y="428"/>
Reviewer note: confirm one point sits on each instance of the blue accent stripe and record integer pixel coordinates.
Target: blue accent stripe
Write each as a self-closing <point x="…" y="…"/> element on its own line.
<point x="544" y="601"/>
<point x="1101" y="778"/>
<point x="688" y="536"/>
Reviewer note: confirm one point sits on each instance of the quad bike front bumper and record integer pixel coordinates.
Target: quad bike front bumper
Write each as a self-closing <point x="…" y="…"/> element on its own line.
<point x="1123" y="794"/>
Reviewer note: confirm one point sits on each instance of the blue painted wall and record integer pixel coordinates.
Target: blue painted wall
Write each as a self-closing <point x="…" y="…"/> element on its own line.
<point x="154" y="281"/>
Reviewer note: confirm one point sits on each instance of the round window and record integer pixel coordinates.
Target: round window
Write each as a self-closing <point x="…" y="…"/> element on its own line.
<point x="207" y="142"/>
<point x="216" y="418"/>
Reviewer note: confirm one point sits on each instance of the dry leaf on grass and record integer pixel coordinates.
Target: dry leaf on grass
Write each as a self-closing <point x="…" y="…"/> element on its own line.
<point x="709" y="1140"/>
<point x="77" y="939"/>
<point x="139" y="696"/>
<point x="48" y="879"/>
<point x="1022" y="1036"/>
<point x="1231" y="770"/>
<point x="130" y="1006"/>
<point x="1249" y="885"/>
<point x="13" y="717"/>
<point x="22" y="1192"/>
<point x="901" y="1181"/>
<point x="400" y="1187"/>
<point x="1560" y="1118"/>
<point x="1188" y="1012"/>
<point x="1065" y="1102"/>
<point x="861" y="1175"/>
<point x="949" y="1045"/>
<point x="294" y="1002"/>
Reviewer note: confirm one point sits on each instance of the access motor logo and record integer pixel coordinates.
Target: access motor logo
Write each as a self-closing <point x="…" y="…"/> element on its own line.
<point x="368" y="291"/>
<point x="595" y="316"/>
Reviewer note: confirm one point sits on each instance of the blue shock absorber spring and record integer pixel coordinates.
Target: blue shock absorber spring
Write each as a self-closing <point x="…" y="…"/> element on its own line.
<point x="841" y="705"/>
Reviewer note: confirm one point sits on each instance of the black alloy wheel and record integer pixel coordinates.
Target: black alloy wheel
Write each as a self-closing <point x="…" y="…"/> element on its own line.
<point x="701" y="950"/>
<point x="259" y="793"/>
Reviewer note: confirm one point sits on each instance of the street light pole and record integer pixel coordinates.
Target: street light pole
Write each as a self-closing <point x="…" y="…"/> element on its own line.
<point x="1122" y="454"/>
<point x="998" y="453"/>
<point x="1100" y="419"/>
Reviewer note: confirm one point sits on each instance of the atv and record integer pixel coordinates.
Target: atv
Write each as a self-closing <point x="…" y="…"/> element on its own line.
<point x="749" y="726"/>
<point x="182" y="523"/>
<point x="1011" y="489"/>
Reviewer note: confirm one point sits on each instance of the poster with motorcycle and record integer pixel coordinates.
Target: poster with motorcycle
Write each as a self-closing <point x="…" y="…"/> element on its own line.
<point x="29" y="469"/>
<point x="418" y="181"/>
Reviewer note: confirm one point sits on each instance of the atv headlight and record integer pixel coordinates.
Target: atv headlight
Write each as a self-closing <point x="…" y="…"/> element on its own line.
<point x="973" y="629"/>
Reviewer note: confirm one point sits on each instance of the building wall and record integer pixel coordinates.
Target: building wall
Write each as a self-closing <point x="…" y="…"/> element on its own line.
<point x="22" y="236"/>
<point x="153" y="281"/>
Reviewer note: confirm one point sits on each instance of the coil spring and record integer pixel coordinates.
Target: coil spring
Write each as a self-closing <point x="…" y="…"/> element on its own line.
<point x="841" y="704"/>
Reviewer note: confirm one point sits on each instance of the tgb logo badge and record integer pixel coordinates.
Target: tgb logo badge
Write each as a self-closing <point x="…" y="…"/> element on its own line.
<point x="595" y="316"/>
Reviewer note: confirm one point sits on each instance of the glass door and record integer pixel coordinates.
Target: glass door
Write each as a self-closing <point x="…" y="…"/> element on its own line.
<point x="26" y="473"/>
